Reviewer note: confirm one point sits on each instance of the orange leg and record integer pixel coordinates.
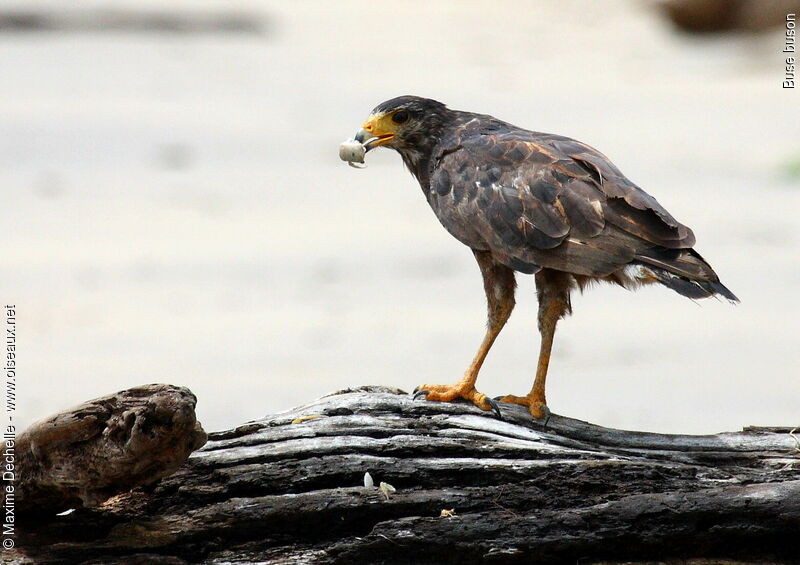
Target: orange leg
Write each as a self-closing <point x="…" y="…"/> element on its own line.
<point x="499" y="284"/>
<point x="553" y="289"/>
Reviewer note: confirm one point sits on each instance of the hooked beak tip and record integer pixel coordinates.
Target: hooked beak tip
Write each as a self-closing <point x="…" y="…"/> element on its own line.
<point x="362" y="136"/>
<point x="370" y="141"/>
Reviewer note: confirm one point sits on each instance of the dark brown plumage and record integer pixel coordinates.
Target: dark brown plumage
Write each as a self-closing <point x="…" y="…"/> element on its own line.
<point x="539" y="204"/>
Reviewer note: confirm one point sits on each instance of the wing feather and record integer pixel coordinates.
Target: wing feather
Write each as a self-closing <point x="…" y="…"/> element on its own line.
<point x="538" y="200"/>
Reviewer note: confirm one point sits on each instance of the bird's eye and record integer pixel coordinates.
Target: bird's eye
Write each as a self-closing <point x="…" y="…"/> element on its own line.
<point x="400" y="117"/>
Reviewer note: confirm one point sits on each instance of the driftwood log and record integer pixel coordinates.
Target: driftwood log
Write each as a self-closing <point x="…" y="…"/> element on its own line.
<point x="465" y="488"/>
<point x="85" y="455"/>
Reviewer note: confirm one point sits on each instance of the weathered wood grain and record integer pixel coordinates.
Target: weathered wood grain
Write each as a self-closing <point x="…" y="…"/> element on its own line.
<point x="106" y="446"/>
<point x="289" y="489"/>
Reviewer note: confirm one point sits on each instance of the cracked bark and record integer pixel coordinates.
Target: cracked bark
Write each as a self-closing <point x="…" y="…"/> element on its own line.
<point x="289" y="489"/>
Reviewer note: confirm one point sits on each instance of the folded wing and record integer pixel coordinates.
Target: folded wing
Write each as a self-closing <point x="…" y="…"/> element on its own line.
<point x="541" y="200"/>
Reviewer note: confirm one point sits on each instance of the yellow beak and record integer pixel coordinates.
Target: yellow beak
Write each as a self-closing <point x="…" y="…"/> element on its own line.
<point x="377" y="130"/>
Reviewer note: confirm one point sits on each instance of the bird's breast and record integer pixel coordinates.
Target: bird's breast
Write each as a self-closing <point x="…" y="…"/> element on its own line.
<point x="457" y="214"/>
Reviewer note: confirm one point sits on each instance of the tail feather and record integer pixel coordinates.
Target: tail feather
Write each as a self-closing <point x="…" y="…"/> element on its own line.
<point x="692" y="288"/>
<point x="719" y="288"/>
<point x="685" y="272"/>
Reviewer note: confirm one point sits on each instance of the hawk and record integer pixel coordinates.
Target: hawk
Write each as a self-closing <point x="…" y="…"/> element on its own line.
<point x="538" y="204"/>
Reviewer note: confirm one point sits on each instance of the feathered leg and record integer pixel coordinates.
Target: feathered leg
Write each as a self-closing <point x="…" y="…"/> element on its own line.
<point x="499" y="284"/>
<point x="552" y="288"/>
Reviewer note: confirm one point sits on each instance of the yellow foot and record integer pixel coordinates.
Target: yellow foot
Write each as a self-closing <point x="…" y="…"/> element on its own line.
<point x="449" y="393"/>
<point x="536" y="406"/>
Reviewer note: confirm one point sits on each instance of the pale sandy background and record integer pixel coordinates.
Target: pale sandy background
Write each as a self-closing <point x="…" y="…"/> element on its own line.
<point x="173" y="209"/>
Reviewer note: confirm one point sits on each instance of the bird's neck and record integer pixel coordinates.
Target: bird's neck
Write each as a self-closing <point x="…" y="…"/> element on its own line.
<point x="418" y="156"/>
<point x="418" y="162"/>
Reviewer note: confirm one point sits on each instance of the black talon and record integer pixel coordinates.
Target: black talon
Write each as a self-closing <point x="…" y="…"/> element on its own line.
<point x="418" y="393"/>
<point x="547" y="415"/>
<point x="495" y="406"/>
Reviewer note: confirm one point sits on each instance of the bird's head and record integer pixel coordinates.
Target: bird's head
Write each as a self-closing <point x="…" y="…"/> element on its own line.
<point x="408" y="124"/>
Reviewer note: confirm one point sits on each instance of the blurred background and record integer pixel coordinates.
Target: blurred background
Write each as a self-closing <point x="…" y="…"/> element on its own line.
<point x="174" y="210"/>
